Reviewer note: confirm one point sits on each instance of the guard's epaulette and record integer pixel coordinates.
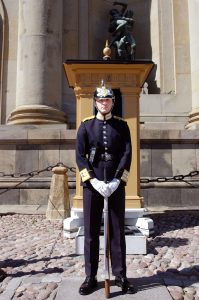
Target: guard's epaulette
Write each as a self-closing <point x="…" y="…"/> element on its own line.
<point x="88" y="118"/>
<point x="118" y="118"/>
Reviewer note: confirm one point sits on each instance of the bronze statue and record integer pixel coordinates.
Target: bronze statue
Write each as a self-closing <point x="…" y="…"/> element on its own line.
<point x="121" y="24"/>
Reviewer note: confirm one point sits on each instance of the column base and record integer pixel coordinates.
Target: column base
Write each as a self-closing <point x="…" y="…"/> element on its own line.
<point x="193" y="118"/>
<point x="134" y="202"/>
<point x="78" y="201"/>
<point x="130" y="202"/>
<point x="36" y="114"/>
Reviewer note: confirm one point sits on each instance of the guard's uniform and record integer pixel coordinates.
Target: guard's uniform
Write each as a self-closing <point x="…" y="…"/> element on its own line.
<point x="104" y="144"/>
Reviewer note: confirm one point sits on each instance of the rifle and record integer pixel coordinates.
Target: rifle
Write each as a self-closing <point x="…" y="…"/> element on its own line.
<point x="106" y="244"/>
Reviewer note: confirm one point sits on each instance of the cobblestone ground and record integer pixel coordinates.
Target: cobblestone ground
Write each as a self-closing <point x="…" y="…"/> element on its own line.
<point x="36" y="256"/>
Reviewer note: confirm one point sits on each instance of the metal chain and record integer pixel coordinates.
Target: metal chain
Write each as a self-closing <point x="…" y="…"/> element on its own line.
<point x="37" y="172"/>
<point x="31" y="174"/>
<point x="178" y="178"/>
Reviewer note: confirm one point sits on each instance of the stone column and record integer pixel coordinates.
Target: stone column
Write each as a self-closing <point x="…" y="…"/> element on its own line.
<point x="193" y="9"/>
<point x="2" y="46"/>
<point x="131" y="114"/>
<point x="166" y="45"/>
<point x="39" y="63"/>
<point x="83" y="95"/>
<point x="83" y="29"/>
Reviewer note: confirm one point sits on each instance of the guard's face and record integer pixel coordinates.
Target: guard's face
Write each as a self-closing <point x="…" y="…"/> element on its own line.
<point x="104" y="105"/>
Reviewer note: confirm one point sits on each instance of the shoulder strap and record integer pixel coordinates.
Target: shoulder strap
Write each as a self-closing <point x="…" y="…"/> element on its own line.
<point x="88" y="118"/>
<point x="118" y="118"/>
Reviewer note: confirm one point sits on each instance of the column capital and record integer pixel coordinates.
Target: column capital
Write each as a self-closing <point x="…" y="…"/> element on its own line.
<point x="84" y="92"/>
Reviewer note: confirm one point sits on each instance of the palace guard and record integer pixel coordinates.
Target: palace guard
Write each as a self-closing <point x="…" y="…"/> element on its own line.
<point x="104" y="144"/>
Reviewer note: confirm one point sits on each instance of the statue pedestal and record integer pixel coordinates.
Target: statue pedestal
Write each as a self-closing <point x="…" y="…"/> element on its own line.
<point x="84" y="77"/>
<point x="135" y="241"/>
<point x="137" y="231"/>
<point x="137" y="227"/>
<point x="128" y="77"/>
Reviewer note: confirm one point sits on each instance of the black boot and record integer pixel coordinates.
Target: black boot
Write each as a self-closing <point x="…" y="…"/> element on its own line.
<point x="125" y="285"/>
<point x="88" y="286"/>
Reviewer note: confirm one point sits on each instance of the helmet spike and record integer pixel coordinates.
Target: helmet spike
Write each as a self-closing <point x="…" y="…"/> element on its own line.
<point x="103" y="91"/>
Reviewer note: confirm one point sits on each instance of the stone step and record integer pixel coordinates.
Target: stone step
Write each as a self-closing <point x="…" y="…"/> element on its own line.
<point x="146" y="289"/>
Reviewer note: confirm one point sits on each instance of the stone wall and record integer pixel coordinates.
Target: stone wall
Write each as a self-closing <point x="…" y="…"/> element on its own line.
<point x="164" y="153"/>
<point x="165" y="32"/>
<point x="167" y="153"/>
<point x="25" y="149"/>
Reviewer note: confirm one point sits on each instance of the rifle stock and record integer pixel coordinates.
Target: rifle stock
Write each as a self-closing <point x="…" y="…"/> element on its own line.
<point x="107" y="288"/>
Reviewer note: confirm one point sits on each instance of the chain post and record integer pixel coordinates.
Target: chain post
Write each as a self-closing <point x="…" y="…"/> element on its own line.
<point x="58" y="202"/>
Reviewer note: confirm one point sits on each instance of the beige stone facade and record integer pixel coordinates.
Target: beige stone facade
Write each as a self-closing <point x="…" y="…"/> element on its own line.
<point x="38" y="110"/>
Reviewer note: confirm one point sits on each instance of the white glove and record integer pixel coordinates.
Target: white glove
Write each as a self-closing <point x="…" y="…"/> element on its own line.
<point x="100" y="186"/>
<point x="105" y="190"/>
<point x="113" y="185"/>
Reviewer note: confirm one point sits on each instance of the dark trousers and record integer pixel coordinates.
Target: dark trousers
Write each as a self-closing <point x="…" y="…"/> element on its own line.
<point x="93" y="209"/>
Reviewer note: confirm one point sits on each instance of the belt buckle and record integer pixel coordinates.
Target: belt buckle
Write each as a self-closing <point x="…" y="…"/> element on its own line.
<point x="107" y="156"/>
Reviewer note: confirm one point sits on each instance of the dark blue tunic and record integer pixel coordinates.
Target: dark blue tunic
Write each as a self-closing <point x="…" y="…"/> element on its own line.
<point x="110" y="137"/>
<point x="104" y="144"/>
